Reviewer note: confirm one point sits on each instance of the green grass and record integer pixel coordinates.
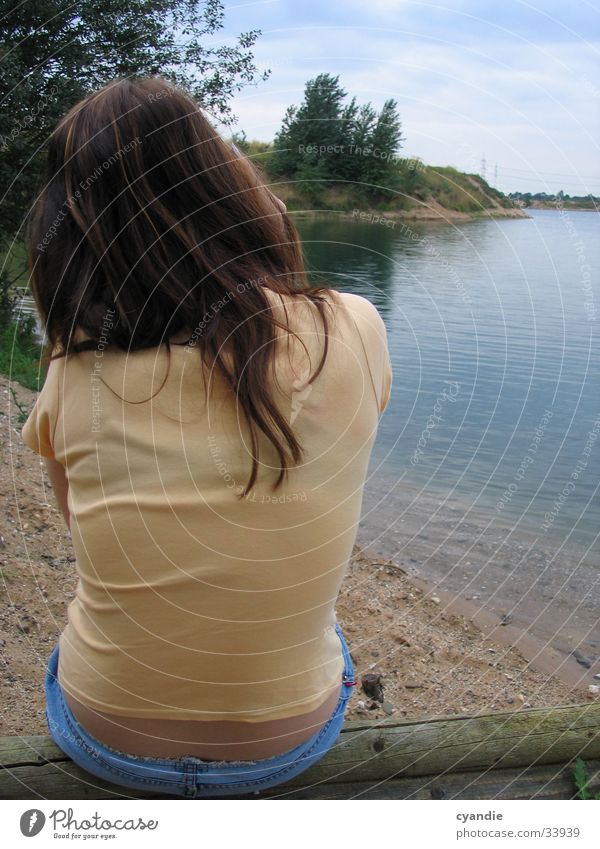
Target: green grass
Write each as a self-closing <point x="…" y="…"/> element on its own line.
<point x="20" y="353"/>
<point x="20" y="350"/>
<point x="462" y="192"/>
<point x="582" y="781"/>
<point x="14" y="263"/>
<point x="22" y="408"/>
<point x="584" y="203"/>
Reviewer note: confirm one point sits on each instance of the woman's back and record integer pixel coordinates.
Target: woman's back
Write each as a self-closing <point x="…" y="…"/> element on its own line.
<point x="213" y="484"/>
<point x="193" y="603"/>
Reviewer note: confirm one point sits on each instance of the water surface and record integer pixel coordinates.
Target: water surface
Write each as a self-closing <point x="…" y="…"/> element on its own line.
<point x="494" y="418"/>
<point x="496" y="320"/>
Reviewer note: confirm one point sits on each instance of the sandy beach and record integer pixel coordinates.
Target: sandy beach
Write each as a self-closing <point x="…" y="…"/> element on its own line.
<point x="528" y="590"/>
<point x="436" y="651"/>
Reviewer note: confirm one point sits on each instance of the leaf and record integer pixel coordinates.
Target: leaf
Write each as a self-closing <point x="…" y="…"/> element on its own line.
<point x="581" y="779"/>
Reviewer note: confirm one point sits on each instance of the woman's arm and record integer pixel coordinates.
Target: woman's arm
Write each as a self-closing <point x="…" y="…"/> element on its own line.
<point x="60" y="485"/>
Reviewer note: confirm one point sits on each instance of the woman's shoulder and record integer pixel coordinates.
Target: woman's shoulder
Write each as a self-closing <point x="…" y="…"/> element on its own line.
<point x="348" y="310"/>
<point x="362" y="314"/>
<point x="349" y="301"/>
<point x="358" y="305"/>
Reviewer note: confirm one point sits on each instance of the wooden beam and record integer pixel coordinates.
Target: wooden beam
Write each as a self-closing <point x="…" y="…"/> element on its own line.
<point x="513" y="755"/>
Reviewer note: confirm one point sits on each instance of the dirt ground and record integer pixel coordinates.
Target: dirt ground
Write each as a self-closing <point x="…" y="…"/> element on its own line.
<point x="432" y="661"/>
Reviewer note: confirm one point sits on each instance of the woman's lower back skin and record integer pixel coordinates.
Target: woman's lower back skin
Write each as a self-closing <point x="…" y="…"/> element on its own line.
<point x="177" y="738"/>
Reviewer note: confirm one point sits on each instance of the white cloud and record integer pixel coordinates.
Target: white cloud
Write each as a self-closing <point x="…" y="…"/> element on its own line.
<point x="520" y="103"/>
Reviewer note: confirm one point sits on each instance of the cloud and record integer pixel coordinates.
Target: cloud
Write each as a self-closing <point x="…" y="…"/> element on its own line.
<point x="510" y="82"/>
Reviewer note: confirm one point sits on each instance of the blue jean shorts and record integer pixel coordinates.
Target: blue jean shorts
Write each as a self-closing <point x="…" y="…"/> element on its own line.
<point x="188" y="776"/>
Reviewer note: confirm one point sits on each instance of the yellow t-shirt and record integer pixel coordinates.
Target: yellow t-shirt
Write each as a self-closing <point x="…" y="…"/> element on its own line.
<point x="191" y="603"/>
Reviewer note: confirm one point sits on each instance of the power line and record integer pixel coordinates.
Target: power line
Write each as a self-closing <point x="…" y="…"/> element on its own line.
<point x="507" y="176"/>
<point x="551" y="173"/>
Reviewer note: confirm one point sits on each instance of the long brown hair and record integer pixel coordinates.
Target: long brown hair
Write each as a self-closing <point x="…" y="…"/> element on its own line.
<point x="148" y="212"/>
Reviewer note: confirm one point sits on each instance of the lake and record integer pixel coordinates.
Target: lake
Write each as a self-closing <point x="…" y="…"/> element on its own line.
<point x="493" y="426"/>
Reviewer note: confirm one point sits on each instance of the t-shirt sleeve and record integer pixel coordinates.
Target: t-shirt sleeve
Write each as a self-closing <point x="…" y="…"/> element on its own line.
<point x="386" y="388"/>
<point x="374" y="337"/>
<point x="38" y="431"/>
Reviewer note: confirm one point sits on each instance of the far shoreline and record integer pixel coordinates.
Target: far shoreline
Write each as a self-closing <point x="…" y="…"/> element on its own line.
<point x="428" y="214"/>
<point x="554" y="207"/>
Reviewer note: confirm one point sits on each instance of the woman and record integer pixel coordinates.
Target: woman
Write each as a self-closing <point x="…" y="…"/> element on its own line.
<point x="206" y="422"/>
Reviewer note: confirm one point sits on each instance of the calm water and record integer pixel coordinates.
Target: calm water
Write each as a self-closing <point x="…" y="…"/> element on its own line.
<point x="493" y="328"/>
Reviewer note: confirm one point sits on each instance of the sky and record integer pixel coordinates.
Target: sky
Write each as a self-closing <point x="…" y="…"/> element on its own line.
<point x="514" y="83"/>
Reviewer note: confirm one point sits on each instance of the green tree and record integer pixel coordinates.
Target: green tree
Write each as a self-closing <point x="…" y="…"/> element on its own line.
<point x="358" y="128"/>
<point x="312" y="178"/>
<point x="385" y="141"/>
<point x="411" y="177"/>
<point x="326" y="139"/>
<point x="317" y="123"/>
<point x="52" y="53"/>
<point x="286" y="145"/>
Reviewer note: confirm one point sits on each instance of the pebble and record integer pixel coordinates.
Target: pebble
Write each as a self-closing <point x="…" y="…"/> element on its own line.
<point x="435" y="599"/>
<point x="594" y="689"/>
<point x="388" y="707"/>
<point x="413" y="685"/>
<point x="372" y="686"/>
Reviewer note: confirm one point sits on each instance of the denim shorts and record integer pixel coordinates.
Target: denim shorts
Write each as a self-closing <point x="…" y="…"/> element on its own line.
<point x="188" y="776"/>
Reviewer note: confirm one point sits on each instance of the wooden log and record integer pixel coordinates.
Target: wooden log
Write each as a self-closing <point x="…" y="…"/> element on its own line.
<point x="547" y="781"/>
<point x="374" y="751"/>
<point x="521" y="754"/>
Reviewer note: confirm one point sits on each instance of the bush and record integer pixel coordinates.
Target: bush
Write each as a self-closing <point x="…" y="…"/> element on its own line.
<point x="310" y="182"/>
<point x="21" y="353"/>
